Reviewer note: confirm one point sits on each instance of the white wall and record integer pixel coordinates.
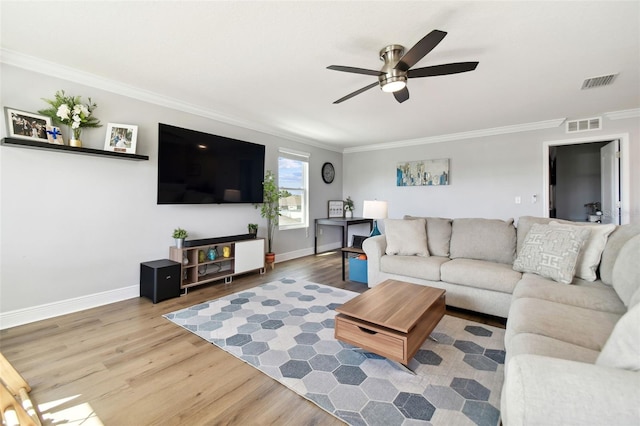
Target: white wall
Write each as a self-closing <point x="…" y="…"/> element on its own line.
<point x="72" y="227"/>
<point x="486" y="174"/>
<point x="75" y="225"/>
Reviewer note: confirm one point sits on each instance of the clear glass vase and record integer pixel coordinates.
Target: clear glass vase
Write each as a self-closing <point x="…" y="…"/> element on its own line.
<point x="74" y="137"/>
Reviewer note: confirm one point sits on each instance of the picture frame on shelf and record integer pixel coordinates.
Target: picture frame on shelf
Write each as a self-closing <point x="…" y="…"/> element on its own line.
<point x="54" y="136"/>
<point x="27" y="125"/>
<point x="336" y="208"/>
<point x="121" y="138"/>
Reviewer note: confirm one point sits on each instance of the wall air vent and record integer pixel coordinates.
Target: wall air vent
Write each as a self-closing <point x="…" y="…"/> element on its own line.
<point x="584" y="125"/>
<point x="603" y="80"/>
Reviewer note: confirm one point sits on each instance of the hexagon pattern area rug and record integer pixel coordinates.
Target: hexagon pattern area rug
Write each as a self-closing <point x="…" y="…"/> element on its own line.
<point x="286" y="330"/>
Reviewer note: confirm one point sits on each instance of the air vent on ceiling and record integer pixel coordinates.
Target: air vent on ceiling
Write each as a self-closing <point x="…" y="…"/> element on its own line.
<point x="584" y="125"/>
<point x="603" y="80"/>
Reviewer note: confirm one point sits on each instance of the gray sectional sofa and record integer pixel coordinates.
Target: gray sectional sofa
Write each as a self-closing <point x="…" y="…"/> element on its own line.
<point x="570" y="293"/>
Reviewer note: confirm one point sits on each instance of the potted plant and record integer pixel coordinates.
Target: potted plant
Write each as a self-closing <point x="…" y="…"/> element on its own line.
<point x="71" y="111"/>
<point x="180" y="234"/>
<point x="270" y="210"/>
<point x="253" y="229"/>
<point x="348" y="207"/>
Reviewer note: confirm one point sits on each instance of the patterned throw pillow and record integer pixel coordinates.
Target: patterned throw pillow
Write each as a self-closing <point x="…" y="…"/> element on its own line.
<point x="551" y="251"/>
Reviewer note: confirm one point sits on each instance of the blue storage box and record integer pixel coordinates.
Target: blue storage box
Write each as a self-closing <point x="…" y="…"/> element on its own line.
<point x="357" y="270"/>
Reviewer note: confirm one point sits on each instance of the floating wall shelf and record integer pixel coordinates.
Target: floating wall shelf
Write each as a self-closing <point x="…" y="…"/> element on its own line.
<point x="23" y="143"/>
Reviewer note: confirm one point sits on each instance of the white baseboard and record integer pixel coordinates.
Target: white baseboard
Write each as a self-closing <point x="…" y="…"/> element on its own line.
<point x="282" y="257"/>
<point x="63" y="307"/>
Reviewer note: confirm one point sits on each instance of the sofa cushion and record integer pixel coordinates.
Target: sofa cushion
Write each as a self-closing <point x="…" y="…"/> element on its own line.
<point x="589" y="257"/>
<point x="493" y="240"/>
<point x="539" y="390"/>
<point x="427" y="268"/>
<point x="406" y="237"/>
<point x="626" y="270"/>
<point x="584" y="294"/>
<point x="536" y="344"/>
<point x="481" y="274"/>
<point x="438" y="235"/>
<point x="622" y="350"/>
<point x="579" y="326"/>
<point x="616" y="240"/>
<point x="551" y="251"/>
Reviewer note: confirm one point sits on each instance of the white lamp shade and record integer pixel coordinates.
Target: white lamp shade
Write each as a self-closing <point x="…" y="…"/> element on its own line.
<point x="374" y="209"/>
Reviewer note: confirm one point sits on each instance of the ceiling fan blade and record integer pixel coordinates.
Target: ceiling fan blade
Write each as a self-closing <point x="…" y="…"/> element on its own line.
<point x="401" y="95"/>
<point x="357" y="92"/>
<point x="444" y="69"/>
<point x="354" y="70"/>
<point x="420" y="49"/>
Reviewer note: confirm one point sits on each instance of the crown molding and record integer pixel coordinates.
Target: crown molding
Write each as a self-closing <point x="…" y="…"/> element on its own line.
<point x="31" y="63"/>
<point x="527" y="127"/>
<point x="620" y="115"/>
<point x="53" y="69"/>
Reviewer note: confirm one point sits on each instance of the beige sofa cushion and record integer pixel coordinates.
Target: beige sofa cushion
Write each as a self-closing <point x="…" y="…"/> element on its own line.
<point x="626" y="271"/>
<point x="427" y="268"/>
<point x="493" y="240"/>
<point x="552" y="251"/>
<point x="406" y="237"/>
<point x="438" y="235"/>
<point x="536" y="344"/>
<point x="616" y="240"/>
<point x="622" y="350"/>
<point x="480" y="274"/>
<point x="589" y="295"/>
<point x="589" y="257"/>
<point x="579" y="326"/>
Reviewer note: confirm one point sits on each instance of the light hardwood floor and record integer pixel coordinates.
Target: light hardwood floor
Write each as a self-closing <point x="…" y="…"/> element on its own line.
<point x="123" y="364"/>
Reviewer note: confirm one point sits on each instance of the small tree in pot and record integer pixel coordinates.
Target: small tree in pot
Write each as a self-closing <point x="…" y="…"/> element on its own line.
<point x="270" y="207"/>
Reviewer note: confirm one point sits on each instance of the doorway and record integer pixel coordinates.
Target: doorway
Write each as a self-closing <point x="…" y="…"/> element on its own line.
<point x="584" y="182"/>
<point x="587" y="179"/>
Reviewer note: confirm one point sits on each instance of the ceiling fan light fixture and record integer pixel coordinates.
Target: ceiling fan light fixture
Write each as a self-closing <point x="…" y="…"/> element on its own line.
<point x="393" y="86"/>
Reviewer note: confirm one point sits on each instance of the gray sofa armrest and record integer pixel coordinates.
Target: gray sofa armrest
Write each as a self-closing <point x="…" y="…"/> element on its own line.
<point x="540" y="390"/>
<point x="374" y="248"/>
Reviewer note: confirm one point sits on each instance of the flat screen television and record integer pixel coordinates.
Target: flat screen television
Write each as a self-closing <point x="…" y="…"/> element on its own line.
<point x="201" y="168"/>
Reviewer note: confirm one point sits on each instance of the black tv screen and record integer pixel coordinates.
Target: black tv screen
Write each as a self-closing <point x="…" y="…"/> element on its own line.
<point x="201" y="168"/>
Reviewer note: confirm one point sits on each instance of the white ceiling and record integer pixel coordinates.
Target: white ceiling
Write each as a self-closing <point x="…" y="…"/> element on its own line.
<point x="263" y="64"/>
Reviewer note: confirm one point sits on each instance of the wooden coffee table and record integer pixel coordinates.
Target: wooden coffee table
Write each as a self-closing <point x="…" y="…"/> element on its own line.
<point x="392" y="319"/>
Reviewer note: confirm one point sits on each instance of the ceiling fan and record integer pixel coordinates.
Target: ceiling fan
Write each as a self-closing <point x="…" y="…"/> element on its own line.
<point x="393" y="76"/>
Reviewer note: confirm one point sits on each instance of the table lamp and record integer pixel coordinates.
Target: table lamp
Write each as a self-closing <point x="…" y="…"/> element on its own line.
<point x="374" y="210"/>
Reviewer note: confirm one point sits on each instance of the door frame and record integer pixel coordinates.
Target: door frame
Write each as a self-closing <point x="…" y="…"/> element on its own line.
<point x="625" y="179"/>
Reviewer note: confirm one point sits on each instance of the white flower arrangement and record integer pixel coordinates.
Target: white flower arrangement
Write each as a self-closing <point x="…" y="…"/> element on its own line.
<point x="70" y="110"/>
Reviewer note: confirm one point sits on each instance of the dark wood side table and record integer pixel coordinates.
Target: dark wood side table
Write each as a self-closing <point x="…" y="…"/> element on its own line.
<point x="344" y="223"/>
<point x="345" y="253"/>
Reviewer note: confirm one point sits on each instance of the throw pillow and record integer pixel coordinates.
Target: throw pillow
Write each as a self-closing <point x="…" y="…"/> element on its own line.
<point x="626" y="271"/>
<point x="589" y="258"/>
<point x="438" y="234"/>
<point x="406" y="237"/>
<point x="551" y="251"/>
<point x="622" y="349"/>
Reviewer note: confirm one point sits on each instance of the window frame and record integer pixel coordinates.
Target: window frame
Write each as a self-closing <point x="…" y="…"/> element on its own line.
<point x="304" y="158"/>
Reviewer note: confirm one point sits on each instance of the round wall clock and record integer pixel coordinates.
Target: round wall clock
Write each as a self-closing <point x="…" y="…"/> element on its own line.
<point x="328" y="172"/>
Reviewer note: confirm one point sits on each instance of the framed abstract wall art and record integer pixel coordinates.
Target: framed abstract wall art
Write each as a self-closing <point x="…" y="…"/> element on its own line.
<point x="423" y="173"/>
